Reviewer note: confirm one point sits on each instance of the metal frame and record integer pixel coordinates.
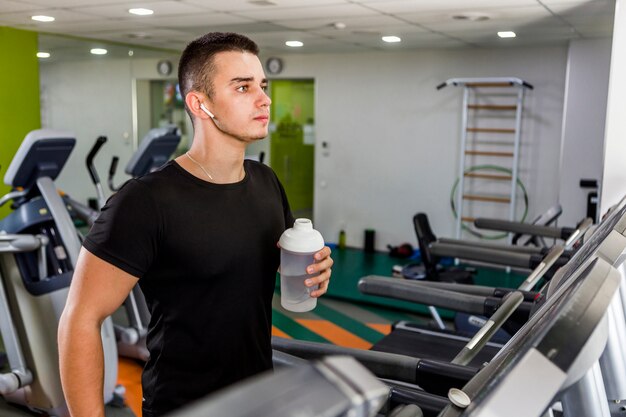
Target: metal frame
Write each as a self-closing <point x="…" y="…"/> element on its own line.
<point x="468" y="84"/>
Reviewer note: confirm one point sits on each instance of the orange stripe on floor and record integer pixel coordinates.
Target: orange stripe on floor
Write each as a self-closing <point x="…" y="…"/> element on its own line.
<point x="277" y="332"/>
<point x="334" y="334"/>
<point x="129" y="375"/>
<point x="380" y="328"/>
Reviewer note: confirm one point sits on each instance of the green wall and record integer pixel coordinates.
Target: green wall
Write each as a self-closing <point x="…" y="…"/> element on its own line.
<point x="293" y="107"/>
<point x="19" y="95"/>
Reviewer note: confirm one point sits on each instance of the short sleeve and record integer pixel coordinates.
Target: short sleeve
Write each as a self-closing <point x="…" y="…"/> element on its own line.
<point x="289" y="220"/>
<point x="125" y="234"/>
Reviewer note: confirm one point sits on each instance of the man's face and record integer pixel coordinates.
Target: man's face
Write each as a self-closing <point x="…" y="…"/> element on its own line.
<point x="239" y="101"/>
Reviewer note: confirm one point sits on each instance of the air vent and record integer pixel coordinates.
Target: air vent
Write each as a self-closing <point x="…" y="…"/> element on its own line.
<point x="473" y="17"/>
<point x="366" y="32"/>
<point x="262" y="2"/>
<point x="138" y="35"/>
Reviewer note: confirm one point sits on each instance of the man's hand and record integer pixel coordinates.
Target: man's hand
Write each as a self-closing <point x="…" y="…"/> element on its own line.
<point x="322" y="265"/>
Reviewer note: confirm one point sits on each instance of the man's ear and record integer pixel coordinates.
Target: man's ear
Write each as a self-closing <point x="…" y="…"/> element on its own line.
<point x="193" y="100"/>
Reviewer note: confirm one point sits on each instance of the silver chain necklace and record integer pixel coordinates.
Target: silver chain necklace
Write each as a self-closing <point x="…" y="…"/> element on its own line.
<point x="199" y="166"/>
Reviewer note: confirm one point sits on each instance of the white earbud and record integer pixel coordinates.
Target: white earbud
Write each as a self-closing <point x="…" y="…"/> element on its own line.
<point x="203" y="108"/>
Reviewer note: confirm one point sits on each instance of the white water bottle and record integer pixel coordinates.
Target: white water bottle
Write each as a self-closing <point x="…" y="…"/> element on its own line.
<point x="297" y="247"/>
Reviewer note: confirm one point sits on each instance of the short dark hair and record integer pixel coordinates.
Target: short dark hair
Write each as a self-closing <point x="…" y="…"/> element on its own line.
<point x="197" y="63"/>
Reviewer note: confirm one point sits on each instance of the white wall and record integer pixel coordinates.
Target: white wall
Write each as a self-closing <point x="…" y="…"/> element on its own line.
<point x="393" y="139"/>
<point x="584" y="118"/>
<point x="614" y="175"/>
<point x="92" y="98"/>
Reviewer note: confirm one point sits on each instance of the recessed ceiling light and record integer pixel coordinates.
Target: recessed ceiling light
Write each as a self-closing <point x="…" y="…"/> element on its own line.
<point x="294" y="44"/>
<point x="391" y="39"/>
<point x="43" y="54"/>
<point x="141" y="12"/>
<point x="41" y="18"/>
<point x="507" y="34"/>
<point x="338" y="25"/>
<point x="131" y="52"/>
<point x="99" y="51"/>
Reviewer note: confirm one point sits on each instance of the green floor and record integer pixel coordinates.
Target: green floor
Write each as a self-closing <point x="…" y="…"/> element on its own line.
<point x="344" y="311"/>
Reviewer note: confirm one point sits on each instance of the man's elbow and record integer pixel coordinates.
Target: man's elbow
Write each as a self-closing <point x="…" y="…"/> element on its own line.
<point x="75" y="325"/>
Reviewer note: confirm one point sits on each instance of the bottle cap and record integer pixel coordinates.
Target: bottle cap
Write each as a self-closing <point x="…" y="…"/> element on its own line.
<point x="301" y="238"/>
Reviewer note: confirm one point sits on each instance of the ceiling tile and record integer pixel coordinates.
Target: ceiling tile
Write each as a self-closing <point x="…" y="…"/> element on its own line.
<point x="79" y="3"/>
<point x="163" y="8"/>
<point x="520" y="14"/>
<point x="245" y="5"/>
<point x="350" y="22"/>
<point x="420" y="23"/>
<point x="197" y="19"/>
<point x="7" y="6"/>
<point x="317" y="12"/>
<point x="414" y="6"/>
<point x="586" y="9"/>
<point x="61" y="16"/>
<point x="101" y="25"/>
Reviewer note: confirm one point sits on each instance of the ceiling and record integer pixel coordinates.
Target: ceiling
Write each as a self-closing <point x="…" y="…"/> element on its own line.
<point x="419" y="23"/>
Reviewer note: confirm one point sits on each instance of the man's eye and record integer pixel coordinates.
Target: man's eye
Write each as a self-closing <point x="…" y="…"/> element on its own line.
<point x="264" y="88"/>
<point x="242" y="88"/>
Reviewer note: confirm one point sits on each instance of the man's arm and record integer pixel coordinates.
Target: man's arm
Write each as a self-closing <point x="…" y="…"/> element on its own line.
<point x="98" y="289"/>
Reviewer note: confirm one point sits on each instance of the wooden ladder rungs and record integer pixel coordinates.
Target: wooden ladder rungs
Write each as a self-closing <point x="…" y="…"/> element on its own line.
<point x="486" y="198"/>
<point x="504" y="84"/>
<point x="489" y="130"/>
<point x="486" y="153"/>
<point x="468" y="219"/>
<point x="492" y="107"/>
<point x="489" y="176"/>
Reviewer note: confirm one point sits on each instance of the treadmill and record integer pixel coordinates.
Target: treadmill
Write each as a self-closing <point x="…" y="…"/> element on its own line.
<point x="554" y="357"/>
<point x="336" y="386"/>
<point x="608" y="242"/>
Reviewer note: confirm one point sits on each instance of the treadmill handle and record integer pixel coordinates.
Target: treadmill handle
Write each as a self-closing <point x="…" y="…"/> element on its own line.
<point x="543" y="267"/>
<point x="580" y="231"/>
<point x="471" y="349"/>
<point x="480" y="290"/>
<point x="403" y="290"/>
<point x="517" y="227"/>
<point x="492" y="256"/>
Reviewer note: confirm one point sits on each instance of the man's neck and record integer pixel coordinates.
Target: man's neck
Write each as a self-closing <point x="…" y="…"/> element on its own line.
<point x="215" y="159"/>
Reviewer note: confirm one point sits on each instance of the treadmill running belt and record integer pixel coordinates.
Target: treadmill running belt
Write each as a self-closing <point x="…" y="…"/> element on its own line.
<point x="428" y="344"/>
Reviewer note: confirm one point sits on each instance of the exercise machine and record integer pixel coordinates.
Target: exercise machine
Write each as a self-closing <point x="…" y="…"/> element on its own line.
<point x="39" y="250"/>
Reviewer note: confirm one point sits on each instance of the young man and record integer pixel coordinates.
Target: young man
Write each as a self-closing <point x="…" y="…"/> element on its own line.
<point x="200" y="235"/>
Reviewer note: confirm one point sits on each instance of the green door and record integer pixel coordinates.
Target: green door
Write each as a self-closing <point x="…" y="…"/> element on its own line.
<point x="292" y="146"/>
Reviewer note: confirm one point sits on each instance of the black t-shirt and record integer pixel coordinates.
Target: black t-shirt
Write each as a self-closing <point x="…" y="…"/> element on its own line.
<point x="207" y="258"/>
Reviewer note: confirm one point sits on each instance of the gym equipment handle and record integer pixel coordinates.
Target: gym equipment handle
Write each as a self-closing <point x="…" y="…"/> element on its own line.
<point x="494" y="246"/>
<point x="85" y="213"/>
<point x="480" y="290"/>
<point x="523" y="228"/>
<point x="580" y="230"/>
<point x="471" y="349"/>
<point x="91" y="155"/>
<point x="499" y="257"/>
<point x="408" y="291"/>
<point x="382" y="364"/>
<point x="543" y="267"/>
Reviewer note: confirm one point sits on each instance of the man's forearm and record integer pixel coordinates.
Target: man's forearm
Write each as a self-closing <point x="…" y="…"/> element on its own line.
<point x="82" y="366"/>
